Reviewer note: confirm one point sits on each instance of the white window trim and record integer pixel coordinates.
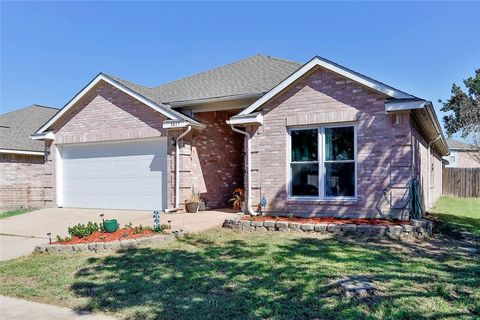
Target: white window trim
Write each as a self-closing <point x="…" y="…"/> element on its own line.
<point x="321" y="163"/>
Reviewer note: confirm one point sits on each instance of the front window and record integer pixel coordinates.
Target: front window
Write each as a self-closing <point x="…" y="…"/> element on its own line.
<point x="322" y="162"/>
<point x="304" y="162"/>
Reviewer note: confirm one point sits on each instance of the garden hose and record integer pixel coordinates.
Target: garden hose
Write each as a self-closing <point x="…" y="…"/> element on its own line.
<point x="413" y="199"/>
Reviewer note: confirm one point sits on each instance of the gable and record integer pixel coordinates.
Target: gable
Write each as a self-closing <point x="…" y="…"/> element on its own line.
<point x="314" y="65"/>
<point x="107" y="113"/>
<point x="101" y="78"/>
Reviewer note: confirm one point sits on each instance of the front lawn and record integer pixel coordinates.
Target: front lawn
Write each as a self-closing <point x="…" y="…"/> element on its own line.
<point x="458" y="214"/>
<point x="223" y="274"/>
<point x="15" y="212"/>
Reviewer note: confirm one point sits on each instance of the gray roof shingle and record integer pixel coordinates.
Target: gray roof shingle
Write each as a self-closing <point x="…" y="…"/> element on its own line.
<point x="254" y="75"/>
<point x="17" y="126"/>
<point x="454" y="144"/>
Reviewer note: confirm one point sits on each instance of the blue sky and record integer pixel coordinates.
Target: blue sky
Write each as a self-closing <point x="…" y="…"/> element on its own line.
<point x="50" y="50"/>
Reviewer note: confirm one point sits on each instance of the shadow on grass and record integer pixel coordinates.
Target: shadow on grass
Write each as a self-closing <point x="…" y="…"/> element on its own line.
<point x="285" y="279"/>
<point x="453" y="225"/>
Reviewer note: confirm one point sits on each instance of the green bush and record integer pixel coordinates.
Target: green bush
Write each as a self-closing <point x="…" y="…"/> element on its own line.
<point x="81" y="230"/>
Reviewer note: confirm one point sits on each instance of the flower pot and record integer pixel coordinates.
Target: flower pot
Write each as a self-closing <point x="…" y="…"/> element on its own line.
<point x="192" y="207"/>
<point x="110" y="226"/>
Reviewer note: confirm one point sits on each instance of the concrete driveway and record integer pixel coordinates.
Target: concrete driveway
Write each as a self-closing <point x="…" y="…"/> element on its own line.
<point x="20" y="234"/>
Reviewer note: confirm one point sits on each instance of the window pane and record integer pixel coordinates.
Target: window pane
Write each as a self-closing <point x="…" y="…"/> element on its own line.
<point x="304" y="179"/>
<point x="339" y="143"/>
<point x="340" y="179"/>
<point x="304" y="145"/>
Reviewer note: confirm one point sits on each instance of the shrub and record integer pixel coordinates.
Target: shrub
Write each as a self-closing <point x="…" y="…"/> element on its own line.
<point x="81" y="230"/>
<point x="61" y="239"/>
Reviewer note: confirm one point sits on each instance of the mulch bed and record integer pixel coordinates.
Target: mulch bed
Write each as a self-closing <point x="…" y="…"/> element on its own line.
<point x="120" y="234"/>
<point x="326" y="220"/>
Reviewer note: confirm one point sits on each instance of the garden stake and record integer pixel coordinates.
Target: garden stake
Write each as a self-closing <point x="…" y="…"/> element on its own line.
<point x="49" y="235"/>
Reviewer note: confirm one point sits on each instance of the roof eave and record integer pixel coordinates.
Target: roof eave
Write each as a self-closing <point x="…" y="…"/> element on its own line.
<point x="48" y="135"/>
<point x="163" y="109"/>
<point x="22" y="152"/>
<point x="318" y="62"/>
<point x="246" y="120"/>
<point x="178" y="124"/>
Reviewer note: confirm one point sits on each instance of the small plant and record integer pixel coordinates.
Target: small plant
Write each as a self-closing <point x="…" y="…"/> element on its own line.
<point x="251" y="218"/>
<point x="81" y="230"/>
<point x="138" y="230"/>
<point x="165" y="226"/>
<point x="194" y="198"/>
<point x="125" y="235"/>
<point x="192" y="204"/>
<point x="102" y="237"/>
<point x="290" y="216"/>
<point x="277" y="218"/>
<point x="129" y="225"/>
<point x="158" y="229"/>
<point x="61" y="239"/>
<point x="237" y="199"/>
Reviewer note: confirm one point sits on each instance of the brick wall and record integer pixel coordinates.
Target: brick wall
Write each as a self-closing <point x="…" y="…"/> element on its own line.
<point x="467" y="159"/>
<point x="384" y="146"/>
<point x="107" y="114"/>
<point x="211" y="161"/>
<point x="25" y="181"/>
<point x="421" y="169"/>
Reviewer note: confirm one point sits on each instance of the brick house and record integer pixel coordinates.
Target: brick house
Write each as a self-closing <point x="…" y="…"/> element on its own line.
<point x="462" y="155"/>
<point x="24" y="179"/>
<point x="315" y="139"/>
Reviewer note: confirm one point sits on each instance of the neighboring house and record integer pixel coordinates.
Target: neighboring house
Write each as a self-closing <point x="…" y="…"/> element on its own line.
<point x="322" y="140"/>
<point x="462" y="155"/>
<point x="24" y="179"/>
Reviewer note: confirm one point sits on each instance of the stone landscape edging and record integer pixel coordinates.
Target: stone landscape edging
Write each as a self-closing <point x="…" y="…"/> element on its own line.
<point x="105" y="246"/>
<point x="417" y="228"/>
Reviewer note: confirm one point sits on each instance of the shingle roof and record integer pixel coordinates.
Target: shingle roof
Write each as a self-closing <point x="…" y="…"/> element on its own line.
<point x="17" y="126"/>
<point x="454" y="144"/>
<point x="254" y="75"/>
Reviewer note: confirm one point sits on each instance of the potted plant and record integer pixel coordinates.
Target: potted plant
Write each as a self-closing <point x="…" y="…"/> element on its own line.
<point x="192" y="204"/>
<point x="238" y="199"/>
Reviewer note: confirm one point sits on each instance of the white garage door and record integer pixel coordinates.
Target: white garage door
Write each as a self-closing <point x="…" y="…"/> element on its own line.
<point x="126" y="175"/>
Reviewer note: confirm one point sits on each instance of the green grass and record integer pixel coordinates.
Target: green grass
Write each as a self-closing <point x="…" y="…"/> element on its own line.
<point x="16" y="212"/>
<point x="458" y="214"/>
<point x="222" y="274"/>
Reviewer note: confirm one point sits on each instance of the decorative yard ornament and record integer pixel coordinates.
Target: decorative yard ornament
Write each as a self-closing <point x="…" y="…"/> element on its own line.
<point x="49" y="235"/>
<point x="263" y="202"/>
<point x="156" y="220"/>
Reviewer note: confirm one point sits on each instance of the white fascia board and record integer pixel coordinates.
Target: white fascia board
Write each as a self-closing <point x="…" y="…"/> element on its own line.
<point x="254" y="119"/>
<point x="174" y="124"/>
<point x="49" y="135"/>
<point x="93" y="83"/>
<point x="399" y="105"/>
<point x="30" y="153"/>
<point x="317" y="61"/>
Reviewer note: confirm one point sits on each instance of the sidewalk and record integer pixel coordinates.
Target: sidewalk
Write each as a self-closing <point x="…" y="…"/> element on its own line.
<point x="14" y="309"/>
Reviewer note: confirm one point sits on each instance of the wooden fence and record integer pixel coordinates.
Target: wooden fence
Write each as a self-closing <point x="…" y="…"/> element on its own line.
<point x="461" y="182"/>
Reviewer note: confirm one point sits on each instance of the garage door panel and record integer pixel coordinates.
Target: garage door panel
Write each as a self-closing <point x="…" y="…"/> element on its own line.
<point x="126" y="175"/>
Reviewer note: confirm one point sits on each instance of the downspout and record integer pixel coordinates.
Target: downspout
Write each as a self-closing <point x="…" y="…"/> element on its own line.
<point x="177" y="170"/>
<point x="249" y="173"/>
<point x="430" y="171"/>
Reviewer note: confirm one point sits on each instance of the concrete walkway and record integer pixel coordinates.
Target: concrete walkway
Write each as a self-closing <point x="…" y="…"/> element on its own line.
<point x="13" y="308"/>
<point x="20" y="234"/>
